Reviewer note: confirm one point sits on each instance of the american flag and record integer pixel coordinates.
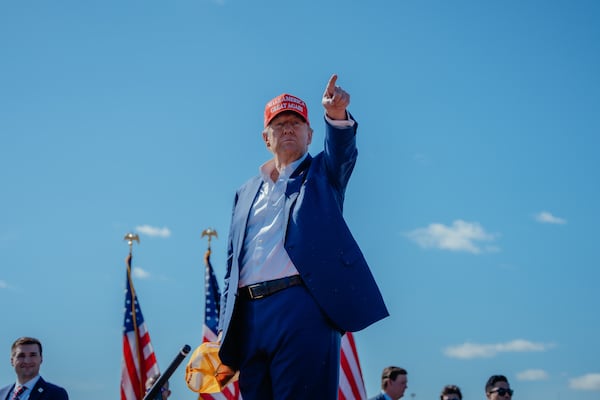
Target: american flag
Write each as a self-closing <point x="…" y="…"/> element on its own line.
<point x="352" y="386"/>
<point x="139" y="361"/>
<point x="211" y="322"/>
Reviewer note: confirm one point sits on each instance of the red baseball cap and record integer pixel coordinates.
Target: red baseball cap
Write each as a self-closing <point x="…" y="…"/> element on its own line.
<point x="285" y="102"/>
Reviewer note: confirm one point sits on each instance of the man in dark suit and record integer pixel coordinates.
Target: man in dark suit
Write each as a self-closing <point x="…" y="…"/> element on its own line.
<point x="394" y="382"/>
<point x="296" y="279"/>
<point x="26" y="358"/>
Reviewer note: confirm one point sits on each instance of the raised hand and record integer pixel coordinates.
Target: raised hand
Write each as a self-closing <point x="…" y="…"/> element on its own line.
<point x="335" y="100"/>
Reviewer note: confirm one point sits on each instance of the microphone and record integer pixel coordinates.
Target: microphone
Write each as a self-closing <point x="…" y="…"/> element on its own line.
<point x="155" y="389"/>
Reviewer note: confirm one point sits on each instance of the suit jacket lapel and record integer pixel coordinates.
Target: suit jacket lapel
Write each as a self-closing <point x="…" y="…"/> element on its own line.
<point x="38" y="390"/>
<point x="293" y="187"/>
<point x="244" y="205"/>
<point x="248" y="194"/>
<point x="297" y="179"/>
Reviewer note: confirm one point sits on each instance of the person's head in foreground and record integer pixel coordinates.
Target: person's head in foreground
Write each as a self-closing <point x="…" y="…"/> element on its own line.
<point x="497" y="388"/>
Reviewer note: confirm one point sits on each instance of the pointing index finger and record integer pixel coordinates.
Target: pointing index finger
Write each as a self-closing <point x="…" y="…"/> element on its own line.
<point x="331" y="86"/>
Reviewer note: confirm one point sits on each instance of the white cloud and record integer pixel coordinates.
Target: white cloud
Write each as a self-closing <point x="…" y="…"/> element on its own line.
<point x="153" y="231"/>
<point x="586" y="382"/>
<point x="547" y="218"/>
<point x="461" y="236"/>
<point x="521" y="345"/>
<point x="532" y="375"/>
<point x="140" y="273"/>
<point x="3" y="284"/>
<point x="478" y="350"/>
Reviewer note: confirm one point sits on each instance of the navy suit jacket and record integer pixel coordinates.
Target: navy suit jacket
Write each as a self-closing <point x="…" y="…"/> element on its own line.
<point x="41" y="391"/>
<point x="317" y="240"/>
<point x="380" y="396"/>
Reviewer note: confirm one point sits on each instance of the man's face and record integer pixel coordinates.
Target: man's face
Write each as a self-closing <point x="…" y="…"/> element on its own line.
<point x="26" y="359"/>
<point x="396" y="388"/>
<point x="500" y="391"/>
<point x="288" y="136"/>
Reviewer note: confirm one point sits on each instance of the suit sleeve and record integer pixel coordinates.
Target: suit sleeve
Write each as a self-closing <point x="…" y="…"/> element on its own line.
<point x="340" y="155"/>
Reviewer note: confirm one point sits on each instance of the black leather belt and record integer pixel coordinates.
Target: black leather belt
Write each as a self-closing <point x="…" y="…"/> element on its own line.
<point x="267" y="288"/>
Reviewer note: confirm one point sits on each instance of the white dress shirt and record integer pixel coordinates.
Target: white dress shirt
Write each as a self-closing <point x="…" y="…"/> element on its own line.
<point x="28" y="387"/>
<point x="264" y="255"/>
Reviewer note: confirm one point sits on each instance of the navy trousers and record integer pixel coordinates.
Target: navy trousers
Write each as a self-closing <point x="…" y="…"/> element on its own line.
<point x="289" y="350"/>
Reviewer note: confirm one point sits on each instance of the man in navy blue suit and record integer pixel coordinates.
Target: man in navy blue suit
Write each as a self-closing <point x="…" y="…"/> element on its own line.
<point x="296" y="279"/>
<point x="26" y="358"/>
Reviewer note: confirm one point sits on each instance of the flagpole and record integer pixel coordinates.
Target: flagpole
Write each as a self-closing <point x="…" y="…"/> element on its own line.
<point x="130" y="237"/>
<point x="210" y="233"/>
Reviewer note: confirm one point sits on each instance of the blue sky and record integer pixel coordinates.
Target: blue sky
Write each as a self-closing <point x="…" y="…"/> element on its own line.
<point x="475" y="196"/>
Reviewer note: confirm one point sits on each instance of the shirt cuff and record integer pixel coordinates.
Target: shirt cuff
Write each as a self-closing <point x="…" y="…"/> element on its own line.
<point x="341" y="123"/>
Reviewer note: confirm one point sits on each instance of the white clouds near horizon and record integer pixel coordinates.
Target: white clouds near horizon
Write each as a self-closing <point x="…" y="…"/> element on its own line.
<point x="3" y="284"/>
<point x="546" y="217"/>
<point x="532" y="375"/>
<point x="460" y="236"/>
<point x="153" y="231"/>
<point x="586" y="382"/>
<point x="481" y="350"/>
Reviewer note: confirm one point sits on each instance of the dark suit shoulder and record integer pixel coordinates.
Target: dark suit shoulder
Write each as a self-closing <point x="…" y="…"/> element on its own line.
<point x="44" y="390"/>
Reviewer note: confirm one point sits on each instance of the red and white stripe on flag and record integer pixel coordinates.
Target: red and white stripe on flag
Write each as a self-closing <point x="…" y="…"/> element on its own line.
<point x="352" y="386"/>
<point x="139" y="360"/>
<point x="134" y="375"/>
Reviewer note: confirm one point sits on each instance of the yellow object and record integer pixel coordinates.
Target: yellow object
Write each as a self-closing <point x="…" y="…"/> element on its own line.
<point x="204" y="372"/>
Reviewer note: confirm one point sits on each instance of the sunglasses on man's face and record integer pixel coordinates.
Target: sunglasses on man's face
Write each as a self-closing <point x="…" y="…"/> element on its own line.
<point x="503" y="392"/>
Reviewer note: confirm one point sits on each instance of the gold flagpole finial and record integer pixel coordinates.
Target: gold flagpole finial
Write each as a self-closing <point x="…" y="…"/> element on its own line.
<point x="210" y="233"/>
<point x="130" y="237"/>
